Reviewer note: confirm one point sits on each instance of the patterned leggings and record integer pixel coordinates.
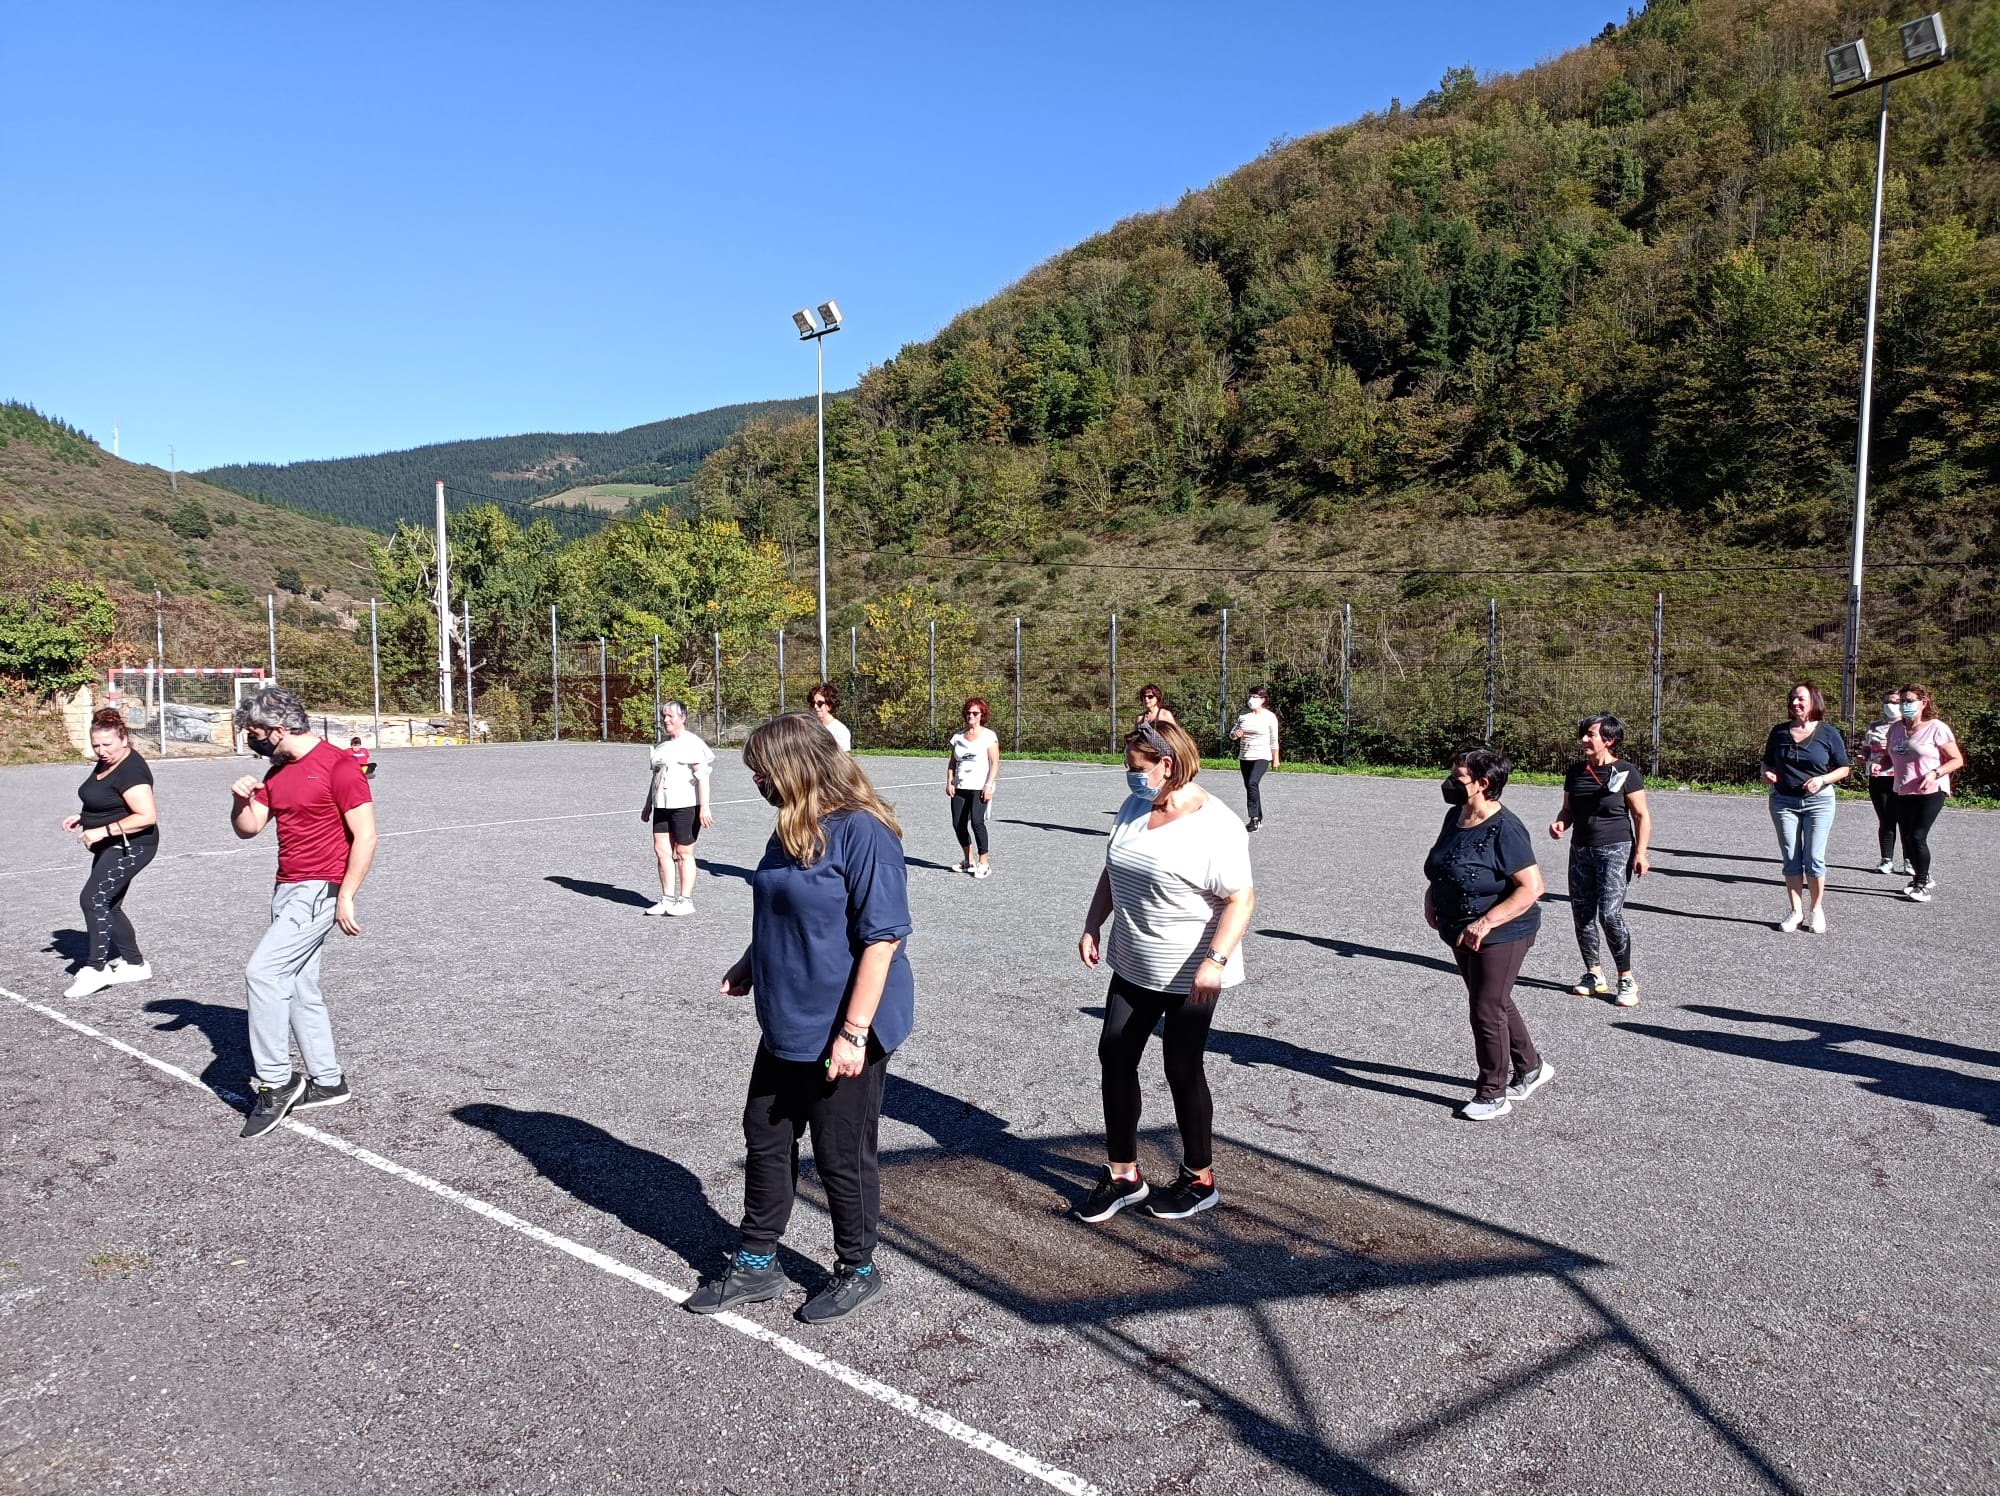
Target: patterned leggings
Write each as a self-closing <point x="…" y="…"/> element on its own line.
<point x="1597" y="896"/>
<point x="114" y="864"/>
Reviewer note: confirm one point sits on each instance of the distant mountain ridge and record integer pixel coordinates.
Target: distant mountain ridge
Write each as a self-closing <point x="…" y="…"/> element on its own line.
<point x="379" y="490"/>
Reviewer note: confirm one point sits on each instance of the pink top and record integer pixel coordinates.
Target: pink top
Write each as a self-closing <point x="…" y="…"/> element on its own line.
<point x="1917" y="751"/>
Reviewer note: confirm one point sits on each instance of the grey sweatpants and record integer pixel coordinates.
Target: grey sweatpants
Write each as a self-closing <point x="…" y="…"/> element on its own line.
<point x="282" y="981"/>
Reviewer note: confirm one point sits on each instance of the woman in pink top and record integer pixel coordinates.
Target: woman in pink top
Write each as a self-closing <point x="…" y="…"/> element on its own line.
<point x="1926" y="754"/>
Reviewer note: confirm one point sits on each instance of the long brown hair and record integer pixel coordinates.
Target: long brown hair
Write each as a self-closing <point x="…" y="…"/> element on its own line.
<point x="813" y="779"/>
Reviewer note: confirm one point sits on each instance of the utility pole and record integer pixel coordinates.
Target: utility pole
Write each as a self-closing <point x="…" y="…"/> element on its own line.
<point x="271" y="630"/>
<point x="443" y="610"/>
<point x="173" y="475"/>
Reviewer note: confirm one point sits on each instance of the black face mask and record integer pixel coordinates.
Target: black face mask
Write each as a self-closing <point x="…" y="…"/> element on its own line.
<point x="262" y="747"/>
<point x="1456" y="790"/>
<point x="769" y="791"/>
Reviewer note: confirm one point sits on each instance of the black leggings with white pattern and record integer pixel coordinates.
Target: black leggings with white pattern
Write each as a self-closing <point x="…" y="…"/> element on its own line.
<point x="114" y="864"/>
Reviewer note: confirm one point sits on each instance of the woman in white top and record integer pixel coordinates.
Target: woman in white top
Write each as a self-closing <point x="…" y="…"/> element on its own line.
<point x="1256" y="734"/>
<point x="972" y="768"/>
<point x="1176" y="887"/>
<point x="677" y="806"/>
<point x="825" y="702"/>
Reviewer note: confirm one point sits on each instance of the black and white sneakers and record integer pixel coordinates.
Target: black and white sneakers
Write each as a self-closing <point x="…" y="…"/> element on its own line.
<point x="1186" y="1196"/>
<point x="316" y="1094"/>
<point x="269" y="1104"/>
<point x="1111" y="1195"/>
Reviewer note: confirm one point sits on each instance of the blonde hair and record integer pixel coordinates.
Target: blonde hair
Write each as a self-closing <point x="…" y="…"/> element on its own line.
<point x="1180" y="748"/>
<point x="813" y="779"/>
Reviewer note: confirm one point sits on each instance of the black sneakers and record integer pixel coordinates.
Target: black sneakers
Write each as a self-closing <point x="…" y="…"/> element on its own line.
<point x="850" y="1289"/>
<point x="316" y="1094"/>
<point x="747" y="1280"/>
<point x="1110" y="1196"/>
<point x="1186" y="1196"/>
<point x="269" y="1105"/>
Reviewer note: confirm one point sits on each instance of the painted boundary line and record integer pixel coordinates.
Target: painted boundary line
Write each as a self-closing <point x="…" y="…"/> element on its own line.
<point x="847" y="1376"/>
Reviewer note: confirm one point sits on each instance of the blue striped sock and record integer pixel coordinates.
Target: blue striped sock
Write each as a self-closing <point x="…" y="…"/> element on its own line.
<point x="756" y="1261"/>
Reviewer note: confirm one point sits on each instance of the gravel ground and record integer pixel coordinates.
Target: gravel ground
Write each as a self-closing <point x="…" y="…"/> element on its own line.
<point x="1743" y="1241"/>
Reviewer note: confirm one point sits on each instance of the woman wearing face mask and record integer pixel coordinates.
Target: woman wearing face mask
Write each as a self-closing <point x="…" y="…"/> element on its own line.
<point x="1604" y="802"/>
<point x="1882" y="780"/>
<point x="120" y="825"/>
<point x="1153" y="708"/>
<point x="1926" y="755"/>
<point x="1804" y="759"/>
<point x="972" y="769"/>
<point x="1176" y="888"/>
<point x="829" y="912"/>
<point x="1256" y="734"/>
<point x="1483" y="884"/>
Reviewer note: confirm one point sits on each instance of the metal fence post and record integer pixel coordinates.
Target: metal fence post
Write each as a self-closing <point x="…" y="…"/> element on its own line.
<point x="555" y="676"/>
<point x="1659" y="671"/>
<point x="933" y="680"/>
<point x="1017" y="685"/>
<point x="853" y="668"/>
<point x="1346" y="677"/>
<point x="271" y="632"/>
<point x="656" y="688"/>
<point x="1222" y="700"/>
<point x="718" y="686"/>
<point x="160" y="644"/>
<point x="1114" y="682"/>
<point x="1492" y="659"/>
<point x="603" y="696"/>
<point x="471" y="722"/>
<point x="781" y="670"/>
<point x="375" y="665"/>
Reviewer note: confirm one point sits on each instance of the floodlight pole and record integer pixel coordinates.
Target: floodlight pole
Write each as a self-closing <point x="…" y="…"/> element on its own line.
<point x="375" y="668"/>
<point x="1858" y="545"/>
<point x="443" y="611"/>
<point x="811" y="330"/>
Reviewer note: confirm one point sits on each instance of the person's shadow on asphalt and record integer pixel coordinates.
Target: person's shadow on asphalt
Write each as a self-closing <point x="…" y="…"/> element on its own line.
<point x="227" y="1030"/>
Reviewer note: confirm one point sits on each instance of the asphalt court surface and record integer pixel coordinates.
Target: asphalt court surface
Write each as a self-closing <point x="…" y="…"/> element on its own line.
<point x="1744" y="1241"/>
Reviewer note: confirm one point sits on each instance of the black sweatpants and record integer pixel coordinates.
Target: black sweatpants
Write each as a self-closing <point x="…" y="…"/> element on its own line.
<point x="1129" y="1016"/>
<point x="968" y="818"/>
<point x="1253" y="778"/>
<point x="788" y="1098"/>
<point x="1499" y="1033"/>
<point x="1882" y="795"/>
<point x="113" y="865"/>
<point x="1915" y="815"/>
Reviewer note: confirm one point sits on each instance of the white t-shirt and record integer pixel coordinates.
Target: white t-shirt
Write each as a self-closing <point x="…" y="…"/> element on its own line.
<point x="1260" y="734"/>
<point x="681" y="762"/>
<point x="840" y="733"/>
<point x="1168" y="886"/>
<point x="969" y="761"/>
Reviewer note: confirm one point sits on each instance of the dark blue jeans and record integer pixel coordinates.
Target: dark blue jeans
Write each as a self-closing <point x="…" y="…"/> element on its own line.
<point x="1597" y="897"/>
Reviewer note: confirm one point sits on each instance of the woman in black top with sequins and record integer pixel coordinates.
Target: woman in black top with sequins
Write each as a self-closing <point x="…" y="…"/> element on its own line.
<point x="120" y="824"/>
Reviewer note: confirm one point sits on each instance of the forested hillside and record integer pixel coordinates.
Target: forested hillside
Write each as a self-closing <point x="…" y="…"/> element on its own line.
<point x="381" y="490"/>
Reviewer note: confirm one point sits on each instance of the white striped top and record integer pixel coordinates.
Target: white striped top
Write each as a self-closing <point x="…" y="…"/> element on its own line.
<point x="1168" y="886"/>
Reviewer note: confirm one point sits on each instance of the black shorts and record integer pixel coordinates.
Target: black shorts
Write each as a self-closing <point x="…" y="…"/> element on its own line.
<point x="682" y="824"/>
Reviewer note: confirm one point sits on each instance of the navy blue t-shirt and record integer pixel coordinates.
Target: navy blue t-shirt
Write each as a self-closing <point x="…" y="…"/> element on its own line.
<point x="1469" y="868"/>
<point x="1794" y="763"/>
<point x="808" y="927"/>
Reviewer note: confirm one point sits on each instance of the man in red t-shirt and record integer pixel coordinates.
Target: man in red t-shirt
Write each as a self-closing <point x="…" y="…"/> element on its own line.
<point x="326" y="841"/>
<point x="360" y="756"/>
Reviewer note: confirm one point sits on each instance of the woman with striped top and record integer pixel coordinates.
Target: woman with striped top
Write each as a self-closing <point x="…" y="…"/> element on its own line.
<point x="1176" y="887"/>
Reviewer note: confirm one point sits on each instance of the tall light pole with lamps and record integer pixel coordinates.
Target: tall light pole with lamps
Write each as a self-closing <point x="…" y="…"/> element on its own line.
<point x="816" y="329"/>
<point x="1847" y="69"/>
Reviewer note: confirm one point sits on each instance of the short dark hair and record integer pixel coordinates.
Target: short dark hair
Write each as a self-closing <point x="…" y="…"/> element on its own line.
<point x="1149" y="689"/>
<point x="355" y="741"/>
<point x="1489" y="764"/>
<point x="985" y="711"/>
<point x="1608" y="728"/>
<point x="830" y="691"/>
<point x="1818" y="712"/>
<point x="1263" y="691"/>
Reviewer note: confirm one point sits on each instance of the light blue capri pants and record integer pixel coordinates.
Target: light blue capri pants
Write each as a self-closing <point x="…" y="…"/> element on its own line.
<point x="1804" y="823"/>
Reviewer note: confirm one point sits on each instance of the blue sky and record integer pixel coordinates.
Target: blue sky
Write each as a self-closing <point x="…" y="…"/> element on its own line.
<point x="270" y="232"/>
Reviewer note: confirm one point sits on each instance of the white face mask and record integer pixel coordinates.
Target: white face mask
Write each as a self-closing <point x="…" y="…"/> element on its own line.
<point x="1891" y="710"/>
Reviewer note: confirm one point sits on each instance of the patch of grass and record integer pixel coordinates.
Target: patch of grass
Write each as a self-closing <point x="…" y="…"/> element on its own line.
<point x="124" y="1264"/>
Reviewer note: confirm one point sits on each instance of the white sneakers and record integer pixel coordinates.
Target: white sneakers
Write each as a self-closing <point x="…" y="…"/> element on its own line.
<point x="90" y="979"/>
<point x="1792" y="921"/>
<point x="1817" y="924"/>
<point x="665" y="906"/>
<point x="129" y="971"/>
<point x="678" y="907"/>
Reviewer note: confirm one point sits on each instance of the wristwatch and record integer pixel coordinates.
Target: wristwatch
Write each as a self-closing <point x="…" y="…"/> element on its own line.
<point x="1217" y="957"/>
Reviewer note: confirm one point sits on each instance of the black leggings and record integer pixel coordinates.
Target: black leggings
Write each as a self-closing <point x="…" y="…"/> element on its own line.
<point x="968" y="818"/>
<point x="789" y="1099"/>
<point x="1129" y="1016"/>
<point x="1915" y="815"/>
<point x="114" y="864"/>
<point x="1882" y="795"/>
<point x="1253" y="776"/>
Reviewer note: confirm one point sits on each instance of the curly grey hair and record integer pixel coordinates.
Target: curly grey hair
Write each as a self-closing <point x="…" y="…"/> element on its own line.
<point x="273" y="707"/>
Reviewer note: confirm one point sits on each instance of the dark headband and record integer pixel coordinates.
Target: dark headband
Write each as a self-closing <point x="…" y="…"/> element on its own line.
<point x="1157" y="743"/>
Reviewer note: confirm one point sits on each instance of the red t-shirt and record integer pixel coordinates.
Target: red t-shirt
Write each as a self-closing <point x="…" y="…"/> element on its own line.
<point x="309" y="799"/>
<point x="359" y="755"/>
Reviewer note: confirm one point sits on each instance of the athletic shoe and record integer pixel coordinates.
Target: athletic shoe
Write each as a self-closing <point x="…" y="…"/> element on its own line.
<point x="850" y="1289"/>
<point x="1885" y="866"/>
<point x="316" y="1094"/>
<point x="90" y="979"/>
<point x="961" y="867"/>
<point x="1186" y="1196"/>
<point x="747" y="1280"/>
<point x="665" y="906"/>
<point x="1254" y="823"/>
<point x="1526" y="1085"/>
<point x="1901" y="870"/>
<point x="1628" y="992"/>
<point x="1487" y="1110"/>
<point x="1792" y="921"/>
<point x="271" y="1104"/>
<point x="984" y="870"/>
<point x="1591" y="984"/>
<point x="678" y="907"/>
<point x="1817" y="924"/>
<point x="129" y="971"/>
<point x="1110" y="1196"/>
<point x="1918" y="893"/>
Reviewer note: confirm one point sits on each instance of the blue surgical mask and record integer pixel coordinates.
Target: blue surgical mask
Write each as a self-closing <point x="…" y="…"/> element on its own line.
<point x="1137" y="783"/>
<point x="1911" y="709"/>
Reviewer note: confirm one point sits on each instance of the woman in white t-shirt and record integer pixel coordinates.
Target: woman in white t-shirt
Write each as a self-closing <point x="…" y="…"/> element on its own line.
<point x="677" y="806"/>
<point x="1176" y="887"/>
<point x="972" y="769"/>
<point x="1256" y="734"/>
<point x="826" y="702"/>
<point x="1926" y="754"/>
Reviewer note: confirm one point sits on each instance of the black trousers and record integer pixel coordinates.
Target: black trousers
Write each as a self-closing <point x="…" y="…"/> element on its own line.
<point x="1253" y="777"/>
<point x="1499" y="1033"/>
<point x="968" y="818"/>
<point x="1882" y="795"/>
<point x="113" y="866"/>
<point x="1129" y="1015"/>
<point x="789" y="1098"/>
<point x="1915" y="815"/>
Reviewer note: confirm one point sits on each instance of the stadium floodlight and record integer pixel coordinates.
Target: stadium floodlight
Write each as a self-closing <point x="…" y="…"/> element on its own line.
<point x="1923" y="39"/>
<point x="811" y="330"/>
<point x="1847" y="63"/>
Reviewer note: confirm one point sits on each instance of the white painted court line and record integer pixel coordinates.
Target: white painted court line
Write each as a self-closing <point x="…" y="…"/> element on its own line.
<point x="847" y="1376"/>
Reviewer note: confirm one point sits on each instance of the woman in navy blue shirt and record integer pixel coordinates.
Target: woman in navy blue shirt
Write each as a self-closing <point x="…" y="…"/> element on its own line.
<point x="830" y="911"/>
<point x="1804" y="758"/>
